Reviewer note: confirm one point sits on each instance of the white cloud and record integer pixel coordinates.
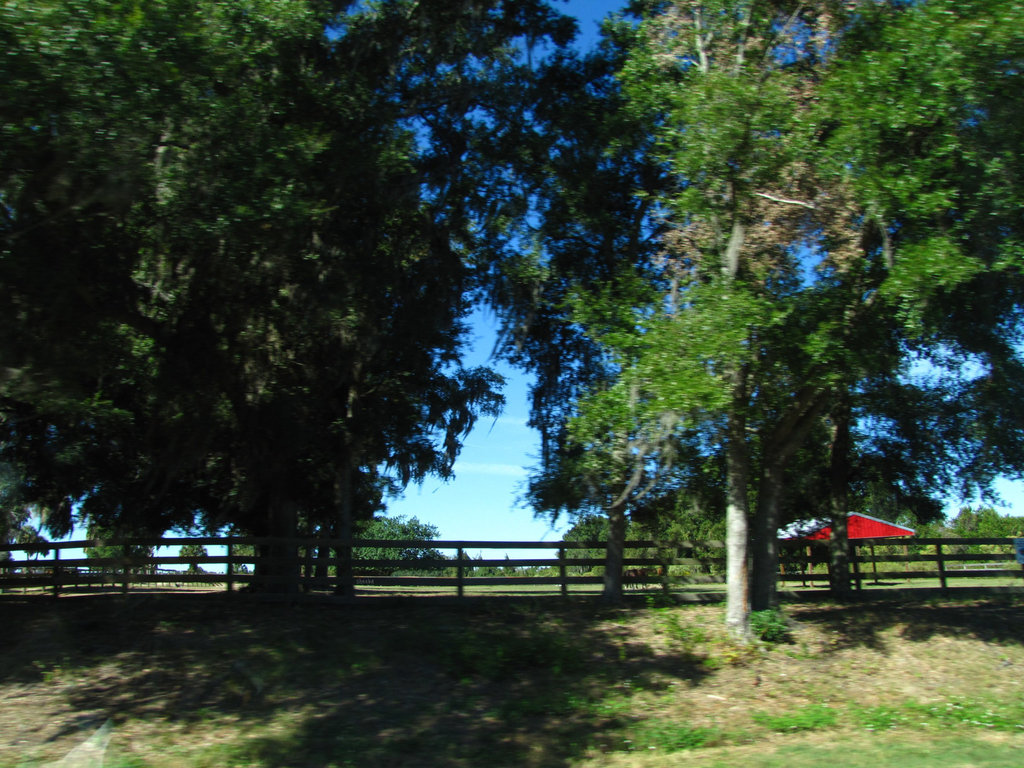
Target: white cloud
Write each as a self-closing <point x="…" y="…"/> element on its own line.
<point x="513" y="421"/>
<point x="479" y="468"/>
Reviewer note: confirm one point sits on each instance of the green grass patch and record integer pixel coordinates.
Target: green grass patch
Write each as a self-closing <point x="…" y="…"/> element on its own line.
<point x="689" y="636"/>
<point x="814" y="717"/>
<point x="955" y="713"/>
<point x="906" y="750"/>
<point x="665" y="737"/>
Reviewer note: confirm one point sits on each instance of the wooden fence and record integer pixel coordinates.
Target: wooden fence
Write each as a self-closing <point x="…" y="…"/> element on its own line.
<point x="884" y="562"/>
<point x="306" y="565"/>
<point x="336" y="566"/>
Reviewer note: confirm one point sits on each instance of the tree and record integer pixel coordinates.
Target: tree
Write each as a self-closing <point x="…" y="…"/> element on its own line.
<point x="933" y="169"/>
<point x="18" y="523"/>
<point x="985" y="523"/>
<point x="129" y="554"/>
<point x="731" y="86"/>
<point x="586" y="528"/>
<point x="194" y="551"/>
<point x="809" y="242"/>
<point x="236" y="253"/>
<point x="592" y="248"/>
<point x="397" y="529"/>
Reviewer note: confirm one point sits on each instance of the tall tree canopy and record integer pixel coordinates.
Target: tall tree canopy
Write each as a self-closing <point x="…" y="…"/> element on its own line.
<point x="238" y="245"/>
<point x="843" y="208"/>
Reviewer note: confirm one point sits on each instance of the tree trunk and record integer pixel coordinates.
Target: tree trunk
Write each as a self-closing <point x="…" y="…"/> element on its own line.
<point x="737" y="605"/>
<point x="614" y="554"/>
<point x="277" y="566"/>
<point x="788" y="435"/>
<point x="343" y="503"/>
<point x="839" y="483"/>
<point x="737" y="471"/>
<point x="765" y="539"/>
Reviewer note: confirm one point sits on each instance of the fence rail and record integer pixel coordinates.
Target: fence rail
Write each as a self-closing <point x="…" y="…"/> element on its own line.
<point x="345" y="567"/>
<point x="952" y="563"/>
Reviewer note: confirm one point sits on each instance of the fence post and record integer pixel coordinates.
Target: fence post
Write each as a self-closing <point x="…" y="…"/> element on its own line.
<point x="562" y="571"/>
<point x="56" y="572"/>
<point x="942" y="566"/>
<point x="855" y="558"/>
<point x="346" y="580"/>
<point x="1018" y="551"/>
<point x="231" y="570"/>
<point x="308" y="569"/>
<point x="459" y="572"/>
<point x="124" y="569"/>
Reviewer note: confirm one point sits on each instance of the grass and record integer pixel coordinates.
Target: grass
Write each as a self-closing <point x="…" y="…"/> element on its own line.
<point x="813" y="717"/>
<point x="698" y="590"/>
<point x="222" y="681"/>
<point x="906" y="750"/>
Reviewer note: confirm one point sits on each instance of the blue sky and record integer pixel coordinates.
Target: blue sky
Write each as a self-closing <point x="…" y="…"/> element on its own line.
<point x="590" y="13"/>
<point x="480" y="503"/>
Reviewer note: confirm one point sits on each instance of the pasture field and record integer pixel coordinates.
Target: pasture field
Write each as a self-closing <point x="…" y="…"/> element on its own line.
<point x="815" y="588"/>
<point x="222" y="680"/>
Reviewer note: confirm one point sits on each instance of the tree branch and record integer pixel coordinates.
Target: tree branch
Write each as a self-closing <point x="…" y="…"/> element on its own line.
<point x="703" y="41"/>
<point x="731" y="267"/>
<point x="796" y="420"/>
<point x="785" y="200"/>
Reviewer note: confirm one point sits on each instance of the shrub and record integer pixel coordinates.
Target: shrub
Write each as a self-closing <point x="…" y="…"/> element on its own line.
<point x="770" y="626"/>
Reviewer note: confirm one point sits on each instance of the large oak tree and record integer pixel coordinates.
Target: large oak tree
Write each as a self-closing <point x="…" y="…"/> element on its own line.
<point x="845" y="187"/>
<point x="239" y="241"/>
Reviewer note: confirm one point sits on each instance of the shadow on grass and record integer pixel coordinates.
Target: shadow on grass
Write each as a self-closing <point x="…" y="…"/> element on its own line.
<point x="490" y="682"/>
<point x="995" y="620"/>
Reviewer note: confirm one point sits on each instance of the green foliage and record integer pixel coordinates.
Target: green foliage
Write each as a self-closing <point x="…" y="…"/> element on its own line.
<point x="505" y="656"/>
<point x="998" y="716"/>
<point x="236" y="251"/>
<point x="838" y="204"/>
<point x="984" y="522"/>
<point x="880" y="717"/>
<point x="770" y="626"/>
<point x="687" y="635"/>
<point x="741" y="333"/>
<point x="242" y="550"/>
<point x="119" y="553"/>
<point x="197" y="551"/>
<point x="587" y="528"/>
<point x="18" y="522"/>
<point x="592" y="267"/>
<point x="397" y="529"/>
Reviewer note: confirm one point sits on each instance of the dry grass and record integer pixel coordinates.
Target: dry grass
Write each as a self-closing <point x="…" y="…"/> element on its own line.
<point x="221" y="680"/>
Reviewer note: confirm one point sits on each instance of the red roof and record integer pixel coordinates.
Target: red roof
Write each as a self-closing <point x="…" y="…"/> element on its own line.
<point x="858" y="527"/>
